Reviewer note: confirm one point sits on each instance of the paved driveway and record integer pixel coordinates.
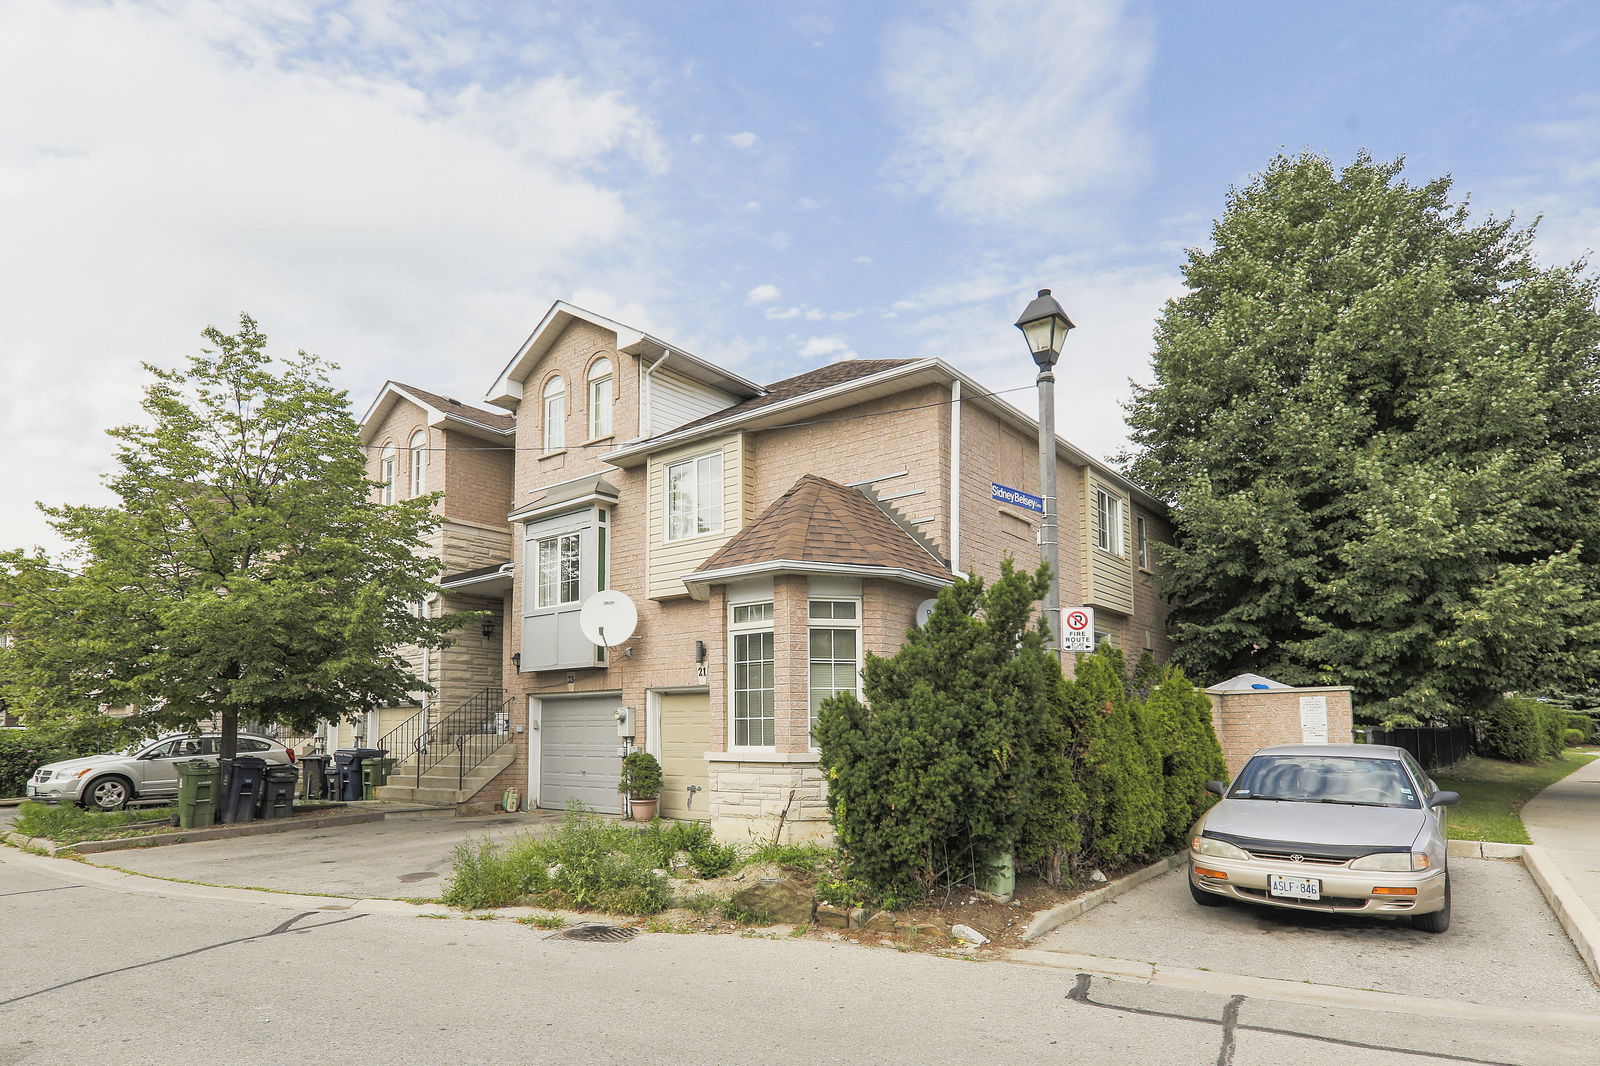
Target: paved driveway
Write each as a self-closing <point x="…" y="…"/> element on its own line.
<point x="401" y="857"/>
<point x="1503" y="947"/>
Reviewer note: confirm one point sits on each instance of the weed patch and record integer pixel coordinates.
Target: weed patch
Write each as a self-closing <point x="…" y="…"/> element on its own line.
<point x="73" y="825"/>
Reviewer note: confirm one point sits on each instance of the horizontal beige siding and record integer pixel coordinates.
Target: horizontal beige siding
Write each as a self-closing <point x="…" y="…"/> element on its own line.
<point x="1110" y="577"/>
<point x="675" y="400"/>
<point x="670" y="562"/>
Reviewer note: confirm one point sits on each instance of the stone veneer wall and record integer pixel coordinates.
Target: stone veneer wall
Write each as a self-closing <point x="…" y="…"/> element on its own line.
<point x="748" y="797"/>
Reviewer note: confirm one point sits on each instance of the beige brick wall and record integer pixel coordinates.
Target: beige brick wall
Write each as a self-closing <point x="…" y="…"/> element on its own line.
<point x="1246" y="722"/>
<point x="476" y="477"/>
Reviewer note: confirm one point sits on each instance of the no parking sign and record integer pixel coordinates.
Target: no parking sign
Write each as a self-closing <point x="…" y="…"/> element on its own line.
<point x="1077" y="629"/>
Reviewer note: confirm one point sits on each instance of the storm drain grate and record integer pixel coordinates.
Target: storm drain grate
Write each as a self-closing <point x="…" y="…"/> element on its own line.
<point x="597" y="932"/>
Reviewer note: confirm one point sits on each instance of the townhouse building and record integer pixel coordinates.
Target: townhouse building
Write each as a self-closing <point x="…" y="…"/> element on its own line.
<point x="769" y="536"/>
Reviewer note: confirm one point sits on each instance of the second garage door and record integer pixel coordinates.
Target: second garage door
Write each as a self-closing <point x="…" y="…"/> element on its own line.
<point x="578" y="754"/>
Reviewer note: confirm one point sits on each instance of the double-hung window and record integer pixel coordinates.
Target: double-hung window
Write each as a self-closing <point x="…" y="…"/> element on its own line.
<point x="601" y="389"/>
<point x="694" y="497"/>
<point x="388" y="473"/>
<point x="1107" y="522"/>
<point x="419" y="463"/>
<point x="751" y="684"/>
<point x="555" y="415"/>
<point x="560" y="567"/>
<point x="835" y="651"/>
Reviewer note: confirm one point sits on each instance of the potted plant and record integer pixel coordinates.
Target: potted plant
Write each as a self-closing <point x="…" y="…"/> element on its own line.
<point x="641" y="783"/>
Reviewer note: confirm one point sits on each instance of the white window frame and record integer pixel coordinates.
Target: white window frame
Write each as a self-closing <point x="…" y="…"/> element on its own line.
<point x="1107" y="521"/>
<point x="602" y="393"/>
<point x="751" y="620"/>
<point x="563" y="555"/>
<point x="419" y="463"/>
<point x="703" y="516"/>
<point x="388" y="474"/>
<point x="1141" y="537"/>
<point x="555" y="414"/>
<point x="827" y="620"/>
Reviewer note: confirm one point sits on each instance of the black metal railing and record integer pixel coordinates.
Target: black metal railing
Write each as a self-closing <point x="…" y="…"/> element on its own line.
<point x="1435" y="747"/>
<point x="472" y="732"/>
<point x="408" y="740"/>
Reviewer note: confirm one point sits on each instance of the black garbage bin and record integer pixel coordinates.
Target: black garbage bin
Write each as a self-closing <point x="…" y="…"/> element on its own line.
<point x="244" y="789"/>
<point x="349" y="761"/>
<point x="277" y="791"/>
<point x="315" y="768"/>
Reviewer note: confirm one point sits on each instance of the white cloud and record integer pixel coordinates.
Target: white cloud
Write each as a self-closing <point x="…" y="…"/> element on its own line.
<point x="762" y="294"/>
<point x="832" y="348"/>
<point x="303" y="164"/>
<point x="1006" y="106"/>
<point x="742" y="140"/>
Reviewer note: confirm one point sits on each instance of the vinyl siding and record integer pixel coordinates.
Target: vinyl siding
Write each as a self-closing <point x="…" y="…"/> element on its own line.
<point x="675" y="400"/>
<point x="1110" y="577"/>
<point x="670" y="562"/>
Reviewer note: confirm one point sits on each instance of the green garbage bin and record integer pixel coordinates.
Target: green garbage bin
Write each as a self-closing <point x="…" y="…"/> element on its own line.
<point x="374" y="772"/>
<point x="199" y="785"/>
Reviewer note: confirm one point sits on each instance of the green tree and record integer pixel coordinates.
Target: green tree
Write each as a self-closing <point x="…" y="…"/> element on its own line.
<point x="931" y="779"/>
<point x="1377" y="420"/>
<point x="1121" y="761"/>
<point x="245" y="573"/>
<point x="1180" y="716"/>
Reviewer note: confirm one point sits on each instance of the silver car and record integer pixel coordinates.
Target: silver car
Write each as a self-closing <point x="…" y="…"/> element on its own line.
<point x="1344" y="828"/>
<point x="144" y="772"/>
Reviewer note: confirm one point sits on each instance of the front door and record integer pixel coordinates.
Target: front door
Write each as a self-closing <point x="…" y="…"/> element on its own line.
<point x="685" y="722"/>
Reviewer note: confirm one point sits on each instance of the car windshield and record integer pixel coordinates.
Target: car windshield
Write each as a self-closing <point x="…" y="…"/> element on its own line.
<point x="1325" y="779"/>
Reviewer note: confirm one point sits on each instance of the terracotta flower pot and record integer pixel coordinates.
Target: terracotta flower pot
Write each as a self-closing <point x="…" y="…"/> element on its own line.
<point x="643" y="810"/>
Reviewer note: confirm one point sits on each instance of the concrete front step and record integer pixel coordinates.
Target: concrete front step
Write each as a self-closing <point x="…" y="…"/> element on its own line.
<point x="439" y="784"/>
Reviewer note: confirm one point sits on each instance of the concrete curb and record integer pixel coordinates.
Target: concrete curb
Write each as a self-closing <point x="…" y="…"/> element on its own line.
<point x="1045" y="921"/>
<point x="221" y="832"/>
<point x="1482" y="849"/>
<point x="1570" y="910"/>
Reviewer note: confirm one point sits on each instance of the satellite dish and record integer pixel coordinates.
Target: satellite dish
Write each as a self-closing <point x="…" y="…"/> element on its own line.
<point x="925" y="611"/>
<point x="608" y="618"/>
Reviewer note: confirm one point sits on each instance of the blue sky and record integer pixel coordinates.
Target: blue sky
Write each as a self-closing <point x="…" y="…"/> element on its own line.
<point x="404" y="188"/>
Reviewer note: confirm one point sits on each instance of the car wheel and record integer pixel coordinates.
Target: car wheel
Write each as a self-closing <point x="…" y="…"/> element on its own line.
<point x="1202" y="897"/>
<point x="1439" y="920"/>
<point x="109" y="794"/>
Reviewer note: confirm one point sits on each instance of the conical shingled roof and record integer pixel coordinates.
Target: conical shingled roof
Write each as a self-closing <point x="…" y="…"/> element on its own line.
<point x="821" y="521"/>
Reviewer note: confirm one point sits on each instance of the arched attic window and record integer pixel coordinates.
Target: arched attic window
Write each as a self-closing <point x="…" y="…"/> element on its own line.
<point x="555" y="415"/>
<point x="601" y="391"/>
<point x="388" y="473"/>
<point x="419" y="463"/>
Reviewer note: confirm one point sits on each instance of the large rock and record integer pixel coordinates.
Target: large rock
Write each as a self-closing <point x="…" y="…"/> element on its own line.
<point x="834" y="917"/>
<point x="780" y="897"/>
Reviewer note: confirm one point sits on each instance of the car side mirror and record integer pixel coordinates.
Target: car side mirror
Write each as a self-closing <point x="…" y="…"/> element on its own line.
<point x="1217" y="787"/>
<point x="1444" y="799"/>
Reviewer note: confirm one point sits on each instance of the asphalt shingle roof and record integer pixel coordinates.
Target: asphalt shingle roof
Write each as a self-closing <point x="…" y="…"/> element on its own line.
<point x="494" y="419"/>
<point x="821" y="521"/>
<point x="811" y="381"/>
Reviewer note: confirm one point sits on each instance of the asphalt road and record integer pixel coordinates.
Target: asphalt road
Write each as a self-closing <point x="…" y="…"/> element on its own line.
<point x="139" y="972"/>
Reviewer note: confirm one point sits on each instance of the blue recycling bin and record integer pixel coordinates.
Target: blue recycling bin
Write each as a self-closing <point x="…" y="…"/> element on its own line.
<point x="349" y="761"/>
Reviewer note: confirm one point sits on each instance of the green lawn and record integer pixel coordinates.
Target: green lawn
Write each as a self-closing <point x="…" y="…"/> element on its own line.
<point x="1493" y="792"/>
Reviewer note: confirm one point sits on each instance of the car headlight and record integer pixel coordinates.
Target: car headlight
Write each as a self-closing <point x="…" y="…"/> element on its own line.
<point x="1217" y="849"/>
<point x="1392" y="862"/>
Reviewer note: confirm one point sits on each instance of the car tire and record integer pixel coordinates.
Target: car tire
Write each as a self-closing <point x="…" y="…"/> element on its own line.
<point x="1439" y="920"/>
<point x="110" y="793"/>
<point x="1202" y="897"/>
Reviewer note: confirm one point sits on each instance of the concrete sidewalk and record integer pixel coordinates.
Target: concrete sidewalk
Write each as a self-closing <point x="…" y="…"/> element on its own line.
<point x="1564" y="823"/>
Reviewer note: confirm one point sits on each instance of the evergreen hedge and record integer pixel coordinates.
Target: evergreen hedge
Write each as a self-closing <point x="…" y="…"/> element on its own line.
<point x="1519" y="729"/>
<point x="972" y="744"/>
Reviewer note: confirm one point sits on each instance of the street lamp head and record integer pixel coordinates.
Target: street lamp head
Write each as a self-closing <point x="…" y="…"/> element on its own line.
<point x="1044" y="324"/>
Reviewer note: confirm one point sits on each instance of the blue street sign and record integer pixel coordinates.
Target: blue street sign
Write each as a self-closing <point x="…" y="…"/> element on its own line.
<point x="1006" y="494"/>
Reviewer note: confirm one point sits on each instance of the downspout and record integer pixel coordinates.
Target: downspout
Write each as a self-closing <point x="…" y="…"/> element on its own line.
<point x="647" y="394"/>
<point x="955" y="478"/>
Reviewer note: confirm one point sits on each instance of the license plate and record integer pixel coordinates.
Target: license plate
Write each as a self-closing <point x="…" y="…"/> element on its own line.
<point x="1294" y="887"/>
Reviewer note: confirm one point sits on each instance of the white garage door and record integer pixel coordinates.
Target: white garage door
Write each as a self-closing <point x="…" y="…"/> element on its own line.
<point x="578" y="754"/>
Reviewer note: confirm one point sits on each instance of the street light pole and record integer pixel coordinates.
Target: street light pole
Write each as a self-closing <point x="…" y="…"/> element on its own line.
<point x="1045" y="324"/>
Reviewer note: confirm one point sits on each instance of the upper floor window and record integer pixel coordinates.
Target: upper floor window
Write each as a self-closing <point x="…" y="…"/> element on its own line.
<point x="1141" y="538"/>
<point x="694" y="496"/>
<point x="1107" y="521"/>
<point x="388" y="473"/>
<point x="601" y="391"/>
<point x="555" y="415"/>
<point x="559" y="566"/>
<point x="419" y="463"/>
